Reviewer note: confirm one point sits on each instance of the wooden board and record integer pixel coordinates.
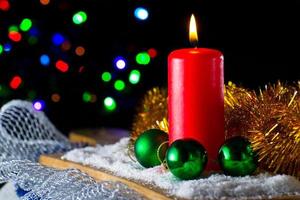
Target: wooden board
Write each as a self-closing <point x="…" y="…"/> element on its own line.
<point x="55" y="162"/>
<point x="98" y="136"/>
<point x="110" y="136"/>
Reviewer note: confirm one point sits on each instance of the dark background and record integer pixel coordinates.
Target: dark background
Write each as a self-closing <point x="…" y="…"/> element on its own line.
<point x="260" y="41"/>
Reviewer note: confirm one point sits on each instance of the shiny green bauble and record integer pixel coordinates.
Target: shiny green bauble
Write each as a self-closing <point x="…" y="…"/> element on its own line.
<point x="186" y="159"/>
<point x="146" y="147"/>
<point x="236" y="157"/>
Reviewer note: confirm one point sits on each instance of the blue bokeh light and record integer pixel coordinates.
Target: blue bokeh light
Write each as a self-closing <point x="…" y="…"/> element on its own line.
<point x="38" y="105"/>
<point x="45" y="60"/>
<point x="141" y="13"/>
<point x="58" y="39"/>
<point x="120" y="62"/>
<point x="7" y="47"/>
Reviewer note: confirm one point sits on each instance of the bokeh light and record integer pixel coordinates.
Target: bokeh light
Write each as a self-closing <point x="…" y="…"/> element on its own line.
<point x="31" y="95"/>
<point x="143" y="58"/>
<point x="32" y="40"/>
<point x="55" y="97"/>
<point x="86" y="97"/>
<point x="141" y="13"/>
<point x="58" y="39"/>
<point x="66" y="45"/>
<point x="45" y="60"/>
<point x="15" y="36"/>
<point x="120" y="62"/>
<point x="94" y="98"/>
<point x="152" y="52"/>
<point x="134" y="76"/>
<point x="119" y="85"/>
<point x="15" y="82"/>
<point x="1" y="49"/>
<point x="13" y="28"/>
<point x="34" y="31"/>
<point x="106" y="76"/>
<point x="44" y="2"/>
<point x="80" y="51"/>
<point x="4" y="5"/>
<point x="79" y="17"/>
<point x="62" y="66"/>
<point x="7" y="47"/>
<point x="38" y="105"/>
<point x="25" y="24"/>
<point x="110" y="104"/>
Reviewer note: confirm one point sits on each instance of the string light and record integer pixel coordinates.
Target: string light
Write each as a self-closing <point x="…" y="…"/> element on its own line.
<point x="44" y="2"/>
<point x="38" y="105"/>
<point x="55" y="97"/>
<point x="45" y="60"/>
<point x="62" y="66"/>
<point x="142" y="58"/>
<point x="120" y="62"/>
<point x="4" y="5"/>
<point x="134" y="76"/>
<point x="110" y="104"/>
<point x="79" y="17"/>
<point x="141" y="13"/>
<point x="58" y="39"/>
<point x="15" y="82"/>
<point x="119" y="85"/>
<point x="106" y="76"/>
<point x="80" y="51"/>
<point x="25" y="24"/>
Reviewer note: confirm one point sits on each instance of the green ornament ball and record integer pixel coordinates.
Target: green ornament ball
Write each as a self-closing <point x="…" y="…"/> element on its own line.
<point x="236" y="157"/>
<point x="146" y="147"/>
<point x="186" y="159"/>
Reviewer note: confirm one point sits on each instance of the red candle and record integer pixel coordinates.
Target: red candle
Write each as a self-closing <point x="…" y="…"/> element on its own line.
<point x="196" y="99"/>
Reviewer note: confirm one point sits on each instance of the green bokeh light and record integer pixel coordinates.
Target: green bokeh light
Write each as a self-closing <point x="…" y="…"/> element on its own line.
<point x="119" y="85"/>
<point x="134" y="76"/>
<point x="1" y="49"/>
<point x="86" y="97"/>
<point x="142" y="58"/>
<point x="32" y="40"/>
<point x="79" y="17"/>
<point x="106" y="76"/>
<point x="13" y="28"/>
<point x="110" y="104"/>
<point x="25" y="24"/>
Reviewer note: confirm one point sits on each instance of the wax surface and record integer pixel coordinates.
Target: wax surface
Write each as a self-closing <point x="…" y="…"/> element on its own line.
<point x="196" y="99"/>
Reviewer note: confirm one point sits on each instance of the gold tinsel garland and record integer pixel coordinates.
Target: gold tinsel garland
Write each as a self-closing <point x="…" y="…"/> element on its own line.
<point x="269" y="119"/>
<point x="151" y="113"/>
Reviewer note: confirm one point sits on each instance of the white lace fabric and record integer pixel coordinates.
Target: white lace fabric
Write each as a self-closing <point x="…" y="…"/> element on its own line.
<point x="25" y="134"/>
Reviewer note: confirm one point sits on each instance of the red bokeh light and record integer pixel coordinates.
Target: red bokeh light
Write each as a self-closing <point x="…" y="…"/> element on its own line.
<point x="15" y="36"/>
<point x="4" y="5"/>
<point x="15" y="82"/>
<point x="62" y="66"/>
<point x="152" y="52"/>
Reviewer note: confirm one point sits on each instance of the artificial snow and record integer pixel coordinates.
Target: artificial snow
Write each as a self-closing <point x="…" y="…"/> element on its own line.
<point x="114" y="158"/>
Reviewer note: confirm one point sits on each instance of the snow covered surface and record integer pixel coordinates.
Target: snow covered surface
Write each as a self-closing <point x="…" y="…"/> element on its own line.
<point x="114" y="158"/>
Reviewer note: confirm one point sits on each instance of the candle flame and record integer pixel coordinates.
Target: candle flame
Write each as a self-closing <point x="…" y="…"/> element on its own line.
<point x="193" y="31"/>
